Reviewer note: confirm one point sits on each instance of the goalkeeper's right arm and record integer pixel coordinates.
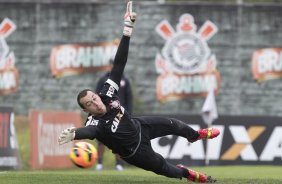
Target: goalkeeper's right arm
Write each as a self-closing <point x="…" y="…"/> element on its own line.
<point x="72" y="133"/>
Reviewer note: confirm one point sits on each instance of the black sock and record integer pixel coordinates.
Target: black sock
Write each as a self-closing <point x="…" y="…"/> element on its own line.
<point x="100" y="160"/>
<point x="195" y="137"/>
<point x="185" y="174"/>
<point x="118" y="162"/>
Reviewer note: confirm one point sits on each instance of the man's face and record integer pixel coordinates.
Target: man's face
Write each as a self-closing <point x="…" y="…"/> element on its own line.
<point x="93" y="104"/>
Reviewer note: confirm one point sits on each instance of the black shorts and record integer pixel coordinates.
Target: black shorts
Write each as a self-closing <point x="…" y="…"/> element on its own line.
<point x="152" y="127"/>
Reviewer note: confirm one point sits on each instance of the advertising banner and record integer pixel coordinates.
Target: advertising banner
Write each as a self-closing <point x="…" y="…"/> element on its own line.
<point x="45" y="129"/>
<point x="267" y="64"/>
<point x="9" y="74"/>
<point x="9" y="157"/>
<point x="186" y="65"/>
<point x="243" y="141"/>
<point x="71" y="59"/>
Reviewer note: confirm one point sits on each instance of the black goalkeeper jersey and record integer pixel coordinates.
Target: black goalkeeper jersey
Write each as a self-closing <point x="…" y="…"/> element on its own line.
<point x="115" y="129"/>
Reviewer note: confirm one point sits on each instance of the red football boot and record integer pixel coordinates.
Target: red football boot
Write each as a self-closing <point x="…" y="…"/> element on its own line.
<point x="208" y="133"/>
<point x="197" y="176"/>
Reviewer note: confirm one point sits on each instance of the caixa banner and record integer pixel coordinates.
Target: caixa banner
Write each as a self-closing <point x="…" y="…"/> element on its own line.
<point x="243" y="141"/>
<point x="9" y="157"/>
<point x="46" y="126"/>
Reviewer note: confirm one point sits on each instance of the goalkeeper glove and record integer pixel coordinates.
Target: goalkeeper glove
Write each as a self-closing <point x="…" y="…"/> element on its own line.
<point x="129" y="19"/>
<point x="67" y="135"/>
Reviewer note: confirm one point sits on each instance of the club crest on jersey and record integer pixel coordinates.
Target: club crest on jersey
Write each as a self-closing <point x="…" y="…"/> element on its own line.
<point x="186" y="65"/>
<point x="115" y="104"/>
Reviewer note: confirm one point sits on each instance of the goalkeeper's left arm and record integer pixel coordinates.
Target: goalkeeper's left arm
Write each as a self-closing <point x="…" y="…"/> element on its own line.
<point x="122" y="52"/>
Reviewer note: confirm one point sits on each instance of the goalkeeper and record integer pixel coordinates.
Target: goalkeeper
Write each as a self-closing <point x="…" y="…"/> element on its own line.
<point x="129" y="136"/>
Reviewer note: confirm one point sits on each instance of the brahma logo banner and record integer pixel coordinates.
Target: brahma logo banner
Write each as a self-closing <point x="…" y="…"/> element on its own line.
<point x="45" y="129"/>
<point x="242" y="141"/>
<point x="186" y="65"/>
<point x="73" y="59"/>
<point x="9" y="155"/>
<point x="9" y="75"/>
<point x="267" y="64"/>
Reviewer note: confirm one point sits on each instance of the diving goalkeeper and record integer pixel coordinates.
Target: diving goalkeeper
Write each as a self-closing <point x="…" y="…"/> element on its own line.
<point x="127" y="136"/>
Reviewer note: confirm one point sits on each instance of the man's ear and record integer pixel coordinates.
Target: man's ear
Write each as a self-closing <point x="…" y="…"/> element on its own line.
<point x="85" y="110"/>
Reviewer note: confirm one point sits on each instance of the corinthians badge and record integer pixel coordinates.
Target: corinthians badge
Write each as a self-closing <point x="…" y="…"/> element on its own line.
<point x="186" y="65"/>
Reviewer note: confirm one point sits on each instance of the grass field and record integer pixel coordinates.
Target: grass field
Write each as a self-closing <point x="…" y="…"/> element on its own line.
<point x="224" y="175"/>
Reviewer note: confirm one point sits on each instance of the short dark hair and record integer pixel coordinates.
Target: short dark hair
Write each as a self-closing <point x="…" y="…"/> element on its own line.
<point x="80" y="95"/>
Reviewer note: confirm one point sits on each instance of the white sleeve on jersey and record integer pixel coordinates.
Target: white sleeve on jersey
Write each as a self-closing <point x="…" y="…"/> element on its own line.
<point x="112" y="83"/>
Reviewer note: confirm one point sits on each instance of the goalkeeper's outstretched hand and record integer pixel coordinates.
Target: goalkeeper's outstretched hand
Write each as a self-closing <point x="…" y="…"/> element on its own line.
<point x="67" y="135"/>
<point x="129" y="19"/>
